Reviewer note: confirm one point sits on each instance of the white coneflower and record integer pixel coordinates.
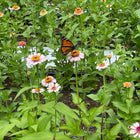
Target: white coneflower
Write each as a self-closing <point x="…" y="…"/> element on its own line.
<point x="102" y="66"/>
<point x="55" y="87"/>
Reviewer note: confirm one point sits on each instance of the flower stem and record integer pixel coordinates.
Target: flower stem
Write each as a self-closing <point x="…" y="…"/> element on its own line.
<point x="102" y="123"/>
<point x="38" y="85"/>
<point x="55" y="117"/>
<point x="77" y="83"/>
<point x="87" y="133"/>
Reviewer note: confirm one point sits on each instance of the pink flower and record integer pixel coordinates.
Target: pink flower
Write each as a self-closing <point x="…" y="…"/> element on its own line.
<point x="54" y="87"/>
<point x="35" y="90"/>
<point x="78" y="11"/>
<point x="102" y="66"/>
<point x="35" y="59"/>
<point x="75" y="55"/>
<point x="48" y="80"/>
<point x="15" y="7"/>
<point x="22" y="43"/>
<point x="135" y="129"/>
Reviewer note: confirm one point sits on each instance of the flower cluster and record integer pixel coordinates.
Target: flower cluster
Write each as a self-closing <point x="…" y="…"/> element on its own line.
<point x="50" y="83"/>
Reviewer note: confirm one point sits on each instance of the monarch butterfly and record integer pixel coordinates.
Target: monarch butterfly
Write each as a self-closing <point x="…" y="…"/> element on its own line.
<point x="66" y="45"/>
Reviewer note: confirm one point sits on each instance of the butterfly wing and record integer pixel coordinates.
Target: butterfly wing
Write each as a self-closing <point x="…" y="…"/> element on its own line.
<point x="66" y="45"/>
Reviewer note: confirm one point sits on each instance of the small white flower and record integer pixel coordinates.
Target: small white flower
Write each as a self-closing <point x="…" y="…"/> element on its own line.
<point x="35" y="90"/>
<point x="135" y="129"/>
<point x="48" y="80"/>
<point x="55" y="87"/>
<point x="101" y="66"/>
<point x="35" y="59"/>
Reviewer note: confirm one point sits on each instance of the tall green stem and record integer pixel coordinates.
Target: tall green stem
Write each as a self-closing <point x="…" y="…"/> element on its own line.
<point x="55" y="117"/>
<point x="102" y="123"/>
<point x="38" y="85"/>
<point x="77" y="82"/>
<point x="87" y="133"/>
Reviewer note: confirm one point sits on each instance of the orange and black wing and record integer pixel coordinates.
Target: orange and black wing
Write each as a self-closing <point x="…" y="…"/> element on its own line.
<point x="66" y="45"/>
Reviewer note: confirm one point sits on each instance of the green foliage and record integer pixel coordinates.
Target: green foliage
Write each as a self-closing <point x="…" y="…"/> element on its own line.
<point x="100" y="28"/>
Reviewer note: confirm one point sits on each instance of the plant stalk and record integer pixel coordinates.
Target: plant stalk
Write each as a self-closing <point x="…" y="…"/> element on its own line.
<point x="102" y="123"/>
<point x="38" y="85"/>
<point x="55" y="118"/>
<point x="77" y="83"/>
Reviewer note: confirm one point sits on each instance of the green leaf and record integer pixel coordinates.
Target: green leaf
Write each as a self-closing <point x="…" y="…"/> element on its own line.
<point x="62" y="108"/>
<point x="48" y="107"/>
<point x="5" y="129"/>
<point x="94" y="97"/>
<point x="23" y="90"/>
<point x="72" y="30"/>
<point x="44" y="136"/>
<point x="30" y="106"/>
<point x="95" y="136"/>
<point x="114" y="131"/>
<point x="22" y="132"/>
<point x="3" y="123"/>
<point x="30" y="119"/>
<point x="3" y="66"/>
<point x="135" y="108"/>
<point x="137" y="13"/>
<point x="75" y="99"/>
<point x="42" y="124"/>
<point x="95" y="17"/>
<point x="125" y="128"/>
<point x="66" y="17"/>
<point x="121" y="106"/>
<point x="50" y="31"/>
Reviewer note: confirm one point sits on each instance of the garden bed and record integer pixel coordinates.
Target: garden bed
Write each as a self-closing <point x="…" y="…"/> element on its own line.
<point x="69" y="70"/>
